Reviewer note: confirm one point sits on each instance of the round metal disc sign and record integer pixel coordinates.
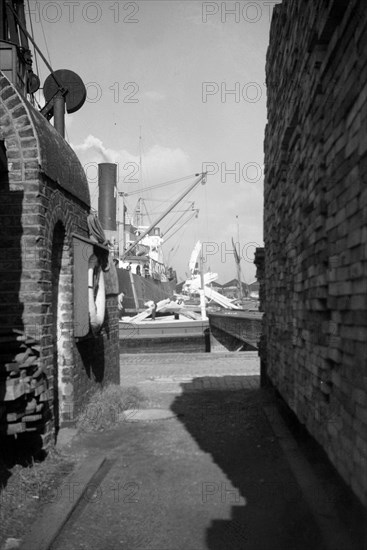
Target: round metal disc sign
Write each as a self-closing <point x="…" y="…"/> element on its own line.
<point x="77" y="92"/>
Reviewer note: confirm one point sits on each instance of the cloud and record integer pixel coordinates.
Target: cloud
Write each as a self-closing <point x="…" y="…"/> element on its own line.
<point x="93" y="145"/>
<point x="155" y="96"/>
<point x="160" y="164"/>
<point x="69" y="120"/>
<point x="164" y="160"/>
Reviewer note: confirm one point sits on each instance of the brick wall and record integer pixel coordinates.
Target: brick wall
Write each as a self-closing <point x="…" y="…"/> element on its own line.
<point x="315" y="224"/>
<point x="44" y="199"/>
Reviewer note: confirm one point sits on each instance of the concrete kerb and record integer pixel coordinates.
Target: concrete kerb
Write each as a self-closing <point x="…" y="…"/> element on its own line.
<point x="49" y="525"/>
<point x="334" y="534"/>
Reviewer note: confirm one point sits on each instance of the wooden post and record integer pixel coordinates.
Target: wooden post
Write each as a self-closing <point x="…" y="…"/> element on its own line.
<point x="202" y="293"/>
<point x="134" y="291"/>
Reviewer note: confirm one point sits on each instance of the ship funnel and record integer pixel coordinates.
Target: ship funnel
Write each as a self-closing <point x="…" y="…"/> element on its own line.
<point x="107" y="195"/>
<point x="107" y="202"/>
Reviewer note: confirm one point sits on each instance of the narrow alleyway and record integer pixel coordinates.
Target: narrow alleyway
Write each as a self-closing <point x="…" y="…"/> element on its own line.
<point x="221" y="472"/>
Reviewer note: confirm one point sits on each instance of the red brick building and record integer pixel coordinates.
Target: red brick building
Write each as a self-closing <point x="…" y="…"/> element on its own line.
<point x="44" y="264"/>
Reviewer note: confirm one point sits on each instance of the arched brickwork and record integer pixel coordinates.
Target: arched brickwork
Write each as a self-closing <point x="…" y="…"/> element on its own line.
<point x="61" y="346"/>
<point x="45" y="196"/>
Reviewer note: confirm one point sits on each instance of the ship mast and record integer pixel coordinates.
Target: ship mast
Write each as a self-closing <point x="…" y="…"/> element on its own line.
<point x="139" y="210"/>
<point x="237" y="256"/>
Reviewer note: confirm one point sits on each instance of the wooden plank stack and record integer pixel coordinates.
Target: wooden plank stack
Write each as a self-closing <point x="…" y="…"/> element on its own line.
<point x="315" y="224"/>
<point x="24" y="393"/>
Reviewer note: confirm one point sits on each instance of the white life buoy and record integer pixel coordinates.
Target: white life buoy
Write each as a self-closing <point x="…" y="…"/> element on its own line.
<point x="96" y="294"/>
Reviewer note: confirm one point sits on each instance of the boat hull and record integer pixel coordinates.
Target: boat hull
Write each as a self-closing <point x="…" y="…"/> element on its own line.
<point x="162" y="335"/>
<point x="144" y="289"/>
<point x="244" y="325"/>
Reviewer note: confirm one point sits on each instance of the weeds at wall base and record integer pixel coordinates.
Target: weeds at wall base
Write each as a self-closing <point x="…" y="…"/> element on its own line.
<point x="105" y="407"/>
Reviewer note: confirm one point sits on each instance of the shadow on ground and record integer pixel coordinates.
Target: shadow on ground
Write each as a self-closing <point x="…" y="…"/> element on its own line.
<point x="267" y="506"/>
<point x="23" y="450"/>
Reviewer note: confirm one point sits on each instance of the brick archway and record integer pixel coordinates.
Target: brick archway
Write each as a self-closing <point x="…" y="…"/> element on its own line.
<point x="59" y="255"/>
<point x="61" y="333"/>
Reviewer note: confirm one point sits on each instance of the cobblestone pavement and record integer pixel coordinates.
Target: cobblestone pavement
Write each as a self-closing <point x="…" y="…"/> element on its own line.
<point x="159" y="374"/>
<point x="213" y="477"/>
<point x="236" y="369"/>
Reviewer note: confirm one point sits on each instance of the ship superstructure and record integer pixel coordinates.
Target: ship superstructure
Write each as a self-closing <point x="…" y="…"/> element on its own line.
<point x="137" y="248"/>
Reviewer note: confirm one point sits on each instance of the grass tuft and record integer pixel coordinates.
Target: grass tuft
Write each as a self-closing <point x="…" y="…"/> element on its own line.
<point x="105" y="407"/>
<point x="25" y="490"/>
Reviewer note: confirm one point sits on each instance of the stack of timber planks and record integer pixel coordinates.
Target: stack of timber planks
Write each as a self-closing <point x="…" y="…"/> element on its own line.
<point x="24" y="393"/>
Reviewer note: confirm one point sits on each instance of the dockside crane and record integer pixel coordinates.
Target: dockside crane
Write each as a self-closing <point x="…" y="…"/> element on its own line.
<point x="200" y="179"/>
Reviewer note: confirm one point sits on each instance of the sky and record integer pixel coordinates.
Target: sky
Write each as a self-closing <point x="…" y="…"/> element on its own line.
<point x="180" y="86"/>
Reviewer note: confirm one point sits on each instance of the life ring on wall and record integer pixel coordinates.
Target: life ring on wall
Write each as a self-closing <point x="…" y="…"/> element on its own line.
<point x="96" y="294"/>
